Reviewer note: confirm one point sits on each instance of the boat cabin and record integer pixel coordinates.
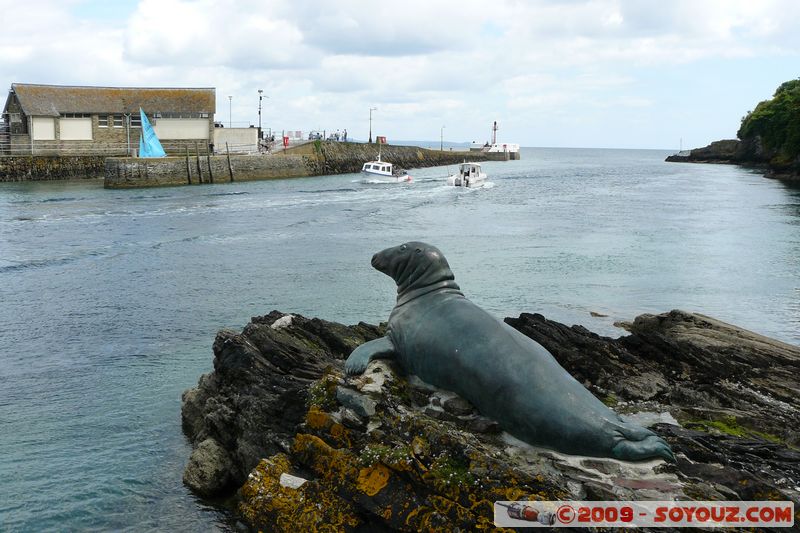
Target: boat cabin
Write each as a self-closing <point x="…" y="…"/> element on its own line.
<point x="467" y="170"/>
<point x="377" y="167"/>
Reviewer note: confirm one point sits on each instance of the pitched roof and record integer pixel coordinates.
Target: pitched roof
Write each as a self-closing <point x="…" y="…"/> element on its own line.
<point x="53" y="100"/>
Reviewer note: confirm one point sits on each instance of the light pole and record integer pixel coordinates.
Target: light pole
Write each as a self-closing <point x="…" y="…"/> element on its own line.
<point x="441" y="139"/>
<point x="371" y="109"/>
<point x="230" y="111"/>
<point x="259" y="113"/>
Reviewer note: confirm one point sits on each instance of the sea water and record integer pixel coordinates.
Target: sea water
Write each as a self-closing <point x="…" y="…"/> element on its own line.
<point x="110" y="299"/>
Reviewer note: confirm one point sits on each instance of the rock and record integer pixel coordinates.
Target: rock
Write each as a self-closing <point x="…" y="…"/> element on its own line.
<point x="209" y="469"/>
<point x="258" y="391"/>
<point x="747" y="152"/>
<point x="458" y="406"/>
<point x="355" y="401"/>
<point x="290" y="481"/>
<point x="283" y="322"/>
<point x="384" y="451"/>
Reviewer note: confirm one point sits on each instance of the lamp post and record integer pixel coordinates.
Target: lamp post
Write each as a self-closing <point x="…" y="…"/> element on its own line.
<point x="230" y="111"/>
<point x="260" y="91"/>
<point x="371" y="109"/>
<point x="441" y="139"/>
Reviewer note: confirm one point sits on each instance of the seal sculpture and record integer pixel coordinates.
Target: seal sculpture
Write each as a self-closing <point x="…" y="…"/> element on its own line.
<point x="437" y="334"/>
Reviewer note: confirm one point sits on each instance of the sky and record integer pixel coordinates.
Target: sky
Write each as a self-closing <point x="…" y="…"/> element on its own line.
<point x="570" y="73"/>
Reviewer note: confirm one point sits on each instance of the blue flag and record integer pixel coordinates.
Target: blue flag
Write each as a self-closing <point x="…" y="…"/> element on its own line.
<point x="149" y="145"/>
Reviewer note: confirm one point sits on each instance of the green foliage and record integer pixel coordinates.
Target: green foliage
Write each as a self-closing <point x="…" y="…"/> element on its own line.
<point x="380" y="453"/>
<point x="729" y="425"/>
<point x="450" y="471"/>
<point x="322" y="393"/>
<point x="611" y="400"/>
<point x="777" y="122"/>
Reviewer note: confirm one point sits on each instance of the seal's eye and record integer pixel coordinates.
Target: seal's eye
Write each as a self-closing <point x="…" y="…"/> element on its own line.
<point x="403" y="248"/>
<point x="418" y="250"/>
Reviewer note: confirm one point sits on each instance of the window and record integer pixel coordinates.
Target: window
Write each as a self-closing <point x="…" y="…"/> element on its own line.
<point x="44" y="129"/>
<point x="102" y="121"/>
<point x="136" y="120"/>
<point x="118" y="121"/>
<point x="181" y="115"/>
<point x="76" y="115"/>
<point x="75" y="128"/>
<point x="15" y="118"/>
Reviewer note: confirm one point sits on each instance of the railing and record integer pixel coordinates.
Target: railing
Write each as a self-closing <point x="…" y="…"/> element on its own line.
<point x="17" y="145"/>
<point x="20" y="144"/>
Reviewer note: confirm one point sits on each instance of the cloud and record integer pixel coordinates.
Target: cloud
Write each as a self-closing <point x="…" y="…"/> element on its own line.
<point x="388" y="29"/>
<point x="423" y="63"/>
<point x="245" y="35"/>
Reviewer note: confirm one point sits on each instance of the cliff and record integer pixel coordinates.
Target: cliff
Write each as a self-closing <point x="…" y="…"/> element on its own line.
<point x="769" y="136"/>
<point x="297" y="446"/>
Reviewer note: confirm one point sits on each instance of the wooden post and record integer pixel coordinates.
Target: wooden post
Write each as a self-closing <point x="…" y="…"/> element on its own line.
<point x="208" y="161"/>
<point x="199" y="170"/>
<point x="188" y="168"/>
<point x="230" y="167"/>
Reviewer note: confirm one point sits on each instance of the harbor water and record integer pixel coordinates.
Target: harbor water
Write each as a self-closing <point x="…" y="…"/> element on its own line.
<point x="111" y="298"/>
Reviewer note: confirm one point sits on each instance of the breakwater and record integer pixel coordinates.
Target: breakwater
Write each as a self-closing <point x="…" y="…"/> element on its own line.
<point x="41" y="168"/>
<point x="312" y="159"/>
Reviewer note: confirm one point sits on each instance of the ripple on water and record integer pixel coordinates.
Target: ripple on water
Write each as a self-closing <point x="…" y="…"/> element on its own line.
<point x="111" y="299"/>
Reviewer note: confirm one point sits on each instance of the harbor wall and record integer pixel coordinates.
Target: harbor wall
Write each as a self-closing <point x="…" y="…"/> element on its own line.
<point x="342" y="158"/>
<point x="130" y="172"/>
<point x="311" y="159"/>
<point x="40" y="168"/>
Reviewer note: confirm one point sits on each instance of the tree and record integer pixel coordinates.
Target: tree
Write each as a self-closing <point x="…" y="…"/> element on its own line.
<point x="777" y="123"/>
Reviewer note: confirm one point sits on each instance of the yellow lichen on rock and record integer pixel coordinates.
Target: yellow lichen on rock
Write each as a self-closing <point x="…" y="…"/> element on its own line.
<point x="317" y="419"/>
<point x="312" y="507"/>
<point x="341" y="435"/>
<point x="372" y="479"/>
<point x="332" y="465"/>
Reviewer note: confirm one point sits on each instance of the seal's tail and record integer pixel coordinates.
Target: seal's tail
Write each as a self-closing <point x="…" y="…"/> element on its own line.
<point x="638" y="443"/>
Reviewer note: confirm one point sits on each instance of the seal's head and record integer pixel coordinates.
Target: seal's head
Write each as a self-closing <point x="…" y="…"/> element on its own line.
<point x="413" y="266"/>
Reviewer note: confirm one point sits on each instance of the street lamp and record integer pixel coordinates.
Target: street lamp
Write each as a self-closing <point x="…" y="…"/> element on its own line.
<point x="230" y="111"/>
<point x="260" y="91"/>
<point x="441" y="140"/>
<point x="371" y="109"/>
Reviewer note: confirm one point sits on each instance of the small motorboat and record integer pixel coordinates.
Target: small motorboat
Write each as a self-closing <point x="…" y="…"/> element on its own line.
<point x="469" y="175"/>
<point x="384" y="171"/>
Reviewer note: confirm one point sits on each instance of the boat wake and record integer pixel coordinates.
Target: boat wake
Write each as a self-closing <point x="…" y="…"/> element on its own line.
<point x="378" y="182"/>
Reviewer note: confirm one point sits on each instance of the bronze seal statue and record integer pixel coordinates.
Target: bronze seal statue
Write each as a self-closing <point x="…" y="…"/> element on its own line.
<point x="437" y="334"/>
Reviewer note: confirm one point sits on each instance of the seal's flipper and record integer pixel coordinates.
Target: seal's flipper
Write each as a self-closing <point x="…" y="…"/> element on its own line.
<point x="381" y="348"/>
<point x="638" y="443"/>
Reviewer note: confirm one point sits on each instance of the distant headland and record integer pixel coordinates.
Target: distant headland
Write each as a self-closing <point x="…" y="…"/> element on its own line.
<point x="768" y="137"/>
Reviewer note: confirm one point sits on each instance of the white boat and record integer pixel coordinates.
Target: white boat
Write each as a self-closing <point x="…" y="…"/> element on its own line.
<point x="384" y="171"/>
<point x="468" y="175"/>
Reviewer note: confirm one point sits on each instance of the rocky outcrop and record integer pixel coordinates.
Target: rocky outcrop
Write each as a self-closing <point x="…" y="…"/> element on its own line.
<point x="307" y="447"/>
<point x="725" y="151"/>
<point x="749" y="152"/>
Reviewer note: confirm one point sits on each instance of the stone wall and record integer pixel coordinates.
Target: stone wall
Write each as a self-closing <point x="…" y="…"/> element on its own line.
<point x="311" y="159"/>
<point x="37" y="168"/>
<point x="342" y="158"/>
<point x="127" y="172"/>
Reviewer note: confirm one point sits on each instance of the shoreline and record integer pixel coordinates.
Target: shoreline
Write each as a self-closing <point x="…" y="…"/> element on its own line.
<point x="383" y="451"/>
<point x="747" y="154"/>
